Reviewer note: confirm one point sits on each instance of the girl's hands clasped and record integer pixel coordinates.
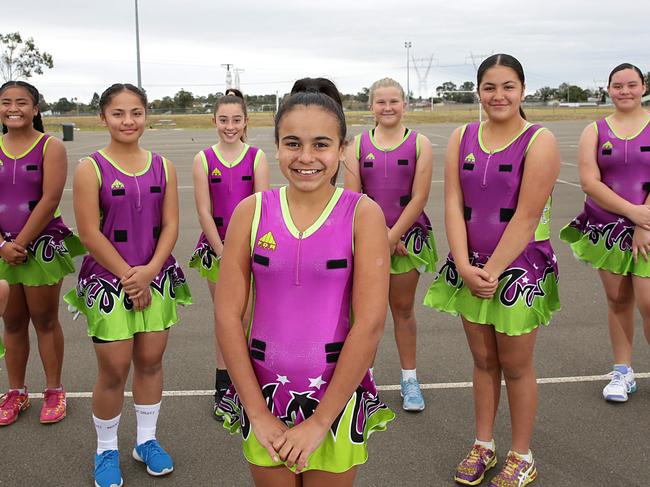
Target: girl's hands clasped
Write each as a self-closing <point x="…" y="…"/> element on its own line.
<point x="13" y="253"/>
<point x="297" y="443"/>
<point x="268" y="429"/>
<point x="480" y="283"/>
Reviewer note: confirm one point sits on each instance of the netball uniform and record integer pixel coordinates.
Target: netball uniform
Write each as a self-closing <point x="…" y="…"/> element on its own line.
<point x="527" y="294"/>
<point x="597" y="236"/>
<point x="229" y="184"/>
<point x="49" y="255"/>
<point x="294" y="345"/>
<point x="131" y="217"/>
<point x="387" y="178"/>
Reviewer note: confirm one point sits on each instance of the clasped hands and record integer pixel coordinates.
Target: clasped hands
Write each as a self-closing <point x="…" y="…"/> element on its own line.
<point x="136" y="283"/>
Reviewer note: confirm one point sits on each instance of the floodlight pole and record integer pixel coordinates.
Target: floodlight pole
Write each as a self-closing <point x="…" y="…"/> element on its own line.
<point x="137" y="44"/>
<point x="408" y="45"/>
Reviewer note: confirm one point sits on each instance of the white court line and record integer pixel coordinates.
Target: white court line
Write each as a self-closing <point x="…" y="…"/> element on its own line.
<point x="394" y="387"/>
<point x="569" y="183"/>
<point x="569" y="164"/>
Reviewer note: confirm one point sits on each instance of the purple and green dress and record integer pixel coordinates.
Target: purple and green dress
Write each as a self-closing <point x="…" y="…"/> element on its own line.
<point x="527" y="293"/>
<point x="302" y="286"/>
<point x="387" y="178"/>
<point x="597" y="236"/>
<point x="229" y="183"/>
<point x="131" y="207"/>
<point x="49" y="255"/>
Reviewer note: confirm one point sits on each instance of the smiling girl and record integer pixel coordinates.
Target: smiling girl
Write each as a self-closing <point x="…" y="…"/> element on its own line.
<point x="316" y="255"/>
<point x="36" y="248"/>
<point x="224" y="174"/>
<point x="126" y="204"/>
<point x="393" y="166"/>
<point x="501" y="273"/>
<point x="612" y="233"/>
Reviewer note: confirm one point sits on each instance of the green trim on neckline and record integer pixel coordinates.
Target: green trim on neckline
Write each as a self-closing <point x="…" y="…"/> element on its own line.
<point x="116" y="166"/>
<point x="626" y="138"/>
<point x="6" y="152"/>
<point x="484" y="149"/>
<point x="291" y="226"/>
<point x="388" y="149"/>
<point x="232" y="164"/>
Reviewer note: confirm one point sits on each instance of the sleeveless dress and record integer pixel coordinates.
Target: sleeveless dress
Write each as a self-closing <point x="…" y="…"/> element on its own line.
<point x="387" y="178"/>
<point x="293" y="344"/>
<point x="49" y="255"/>
<point x="229" y="184"/>
<point x="597" y="236"/>
<point x="527" y="294"/>
<point x="131" y="216"/>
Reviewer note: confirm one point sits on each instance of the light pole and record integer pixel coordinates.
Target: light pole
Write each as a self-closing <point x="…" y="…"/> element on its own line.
<point x="137" y="44"/>
<point x="408" y="45"/>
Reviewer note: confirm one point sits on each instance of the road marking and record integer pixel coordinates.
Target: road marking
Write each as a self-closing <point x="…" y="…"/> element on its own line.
<point x="569" y="164"/>
<point x="393" y="387"/>
<point x="569" y="183"/>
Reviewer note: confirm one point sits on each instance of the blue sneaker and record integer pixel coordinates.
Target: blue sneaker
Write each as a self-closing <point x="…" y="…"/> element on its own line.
<point x="156" y="459"/>
<point x="410" y="391"/>
<point x="107" y="469"/>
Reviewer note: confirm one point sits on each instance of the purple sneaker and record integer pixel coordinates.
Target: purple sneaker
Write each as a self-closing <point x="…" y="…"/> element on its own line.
<point x="471" y="470"/>
<point x="516" y="472"/>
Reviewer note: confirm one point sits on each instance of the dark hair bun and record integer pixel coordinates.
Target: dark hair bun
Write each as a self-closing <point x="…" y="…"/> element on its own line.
<point x="317" y="85"/>
<point x="234" y="92"/>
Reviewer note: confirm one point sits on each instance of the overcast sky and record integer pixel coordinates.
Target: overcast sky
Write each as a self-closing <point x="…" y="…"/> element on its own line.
<point x="354" y="42"/>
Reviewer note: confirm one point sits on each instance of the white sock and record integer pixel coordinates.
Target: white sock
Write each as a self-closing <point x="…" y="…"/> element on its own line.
<point x="528" y="456"/>
<point x="106" y="433"/>
<point x="21" y="391"/>
<point x="409" y="374"/>
<point x="485" y="444"/>
<point x="146" y="416"/>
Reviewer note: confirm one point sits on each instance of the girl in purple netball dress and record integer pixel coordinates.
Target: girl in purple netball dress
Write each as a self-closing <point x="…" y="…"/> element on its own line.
<point x="36" y="248"/>
<point x="612" y="233"/>
<point x="304" y="399"/>
<point x="392" y="165"/>
<point x="126" y="204"/>
<point x="224" y="174"/>
<point x="501" y="273"/>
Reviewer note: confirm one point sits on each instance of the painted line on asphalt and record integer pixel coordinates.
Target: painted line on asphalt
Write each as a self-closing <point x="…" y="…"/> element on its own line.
<point x="575" y="185"/>
<point x="394" y="387"/>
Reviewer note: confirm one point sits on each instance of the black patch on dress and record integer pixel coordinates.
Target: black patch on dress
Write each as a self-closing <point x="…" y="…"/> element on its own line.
<point x="261" y="260"/>
<point x="506" y="214"/>
<point x="467" y="213"/>
<point x="337" y="264"/>
<point x="119" y="235"/>
<point x="505" y="167"/>
<point x="155" y="189"/>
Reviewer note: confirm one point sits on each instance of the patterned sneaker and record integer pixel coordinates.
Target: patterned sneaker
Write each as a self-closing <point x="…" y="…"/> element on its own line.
<point x="621" y="385"/>
<point x="156" y="459"/>
<point x="107" y="469"/>
<point x="516" y="472"/>
<point x="410" y="391"/>
<point x="473" y="467"/>
<point x="54" y="405"/>
<point x="11" y="405"/>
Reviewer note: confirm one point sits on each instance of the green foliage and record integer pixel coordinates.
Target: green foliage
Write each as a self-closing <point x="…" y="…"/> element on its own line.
<point x="63" y="106"/>
<point x="183" y="99"/>
<point x="94" y="103"/>
<point x="21" y="58"/>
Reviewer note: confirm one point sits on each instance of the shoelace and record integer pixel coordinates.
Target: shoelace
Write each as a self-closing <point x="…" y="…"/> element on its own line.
<point x="8" y="398"/>
<point x="511" y="466"/>
<point x="474" y="455"/>
<point x="617" y="378"/>
<point x="411" y="387"/>
<point x="52" y="399"/>
<point x="106" y="460"/>
<point x="152" y="449"/>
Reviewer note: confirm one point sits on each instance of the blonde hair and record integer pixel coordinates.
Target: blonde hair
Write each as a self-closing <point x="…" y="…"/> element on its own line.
<point x="385" y="83"/>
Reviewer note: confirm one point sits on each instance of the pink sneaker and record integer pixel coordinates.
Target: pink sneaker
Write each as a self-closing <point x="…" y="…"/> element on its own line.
<point x="11" y="405"/>
<point x="54" y="405"/>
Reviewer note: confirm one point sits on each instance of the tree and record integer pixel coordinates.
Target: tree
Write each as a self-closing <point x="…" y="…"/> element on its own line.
<point x="63" y="106"/>
<point x="470" y="97"/>
<point x="183" y="99"/>
<point x="94" y="103"/>
<point x="571" y="93"/>
<point x="546" y="93"/>
<point x="447" y="86"/>
<point x="21" y="59"/>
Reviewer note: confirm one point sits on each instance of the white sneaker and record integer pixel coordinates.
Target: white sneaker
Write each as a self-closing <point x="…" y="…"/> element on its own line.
<point x="621" y="385"/>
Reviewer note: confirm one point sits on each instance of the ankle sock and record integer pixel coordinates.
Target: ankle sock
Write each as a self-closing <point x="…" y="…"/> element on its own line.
<point x="106" y="433"/>
<point x="486" y="444"/>
<point x="146" y="416"/>
<point x="623" y="368"/>
<point x="22" y="390"/>
<point x="409" y="374"/>
<point x="528" y="456"/>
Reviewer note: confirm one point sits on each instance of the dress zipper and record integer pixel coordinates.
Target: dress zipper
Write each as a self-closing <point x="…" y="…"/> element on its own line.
<point x="137" y="185"/>
<point x="298" y="260"/>
<point x="14" y="179"/>
<point x="487" y="165"/>
<point x="626" y="139"/>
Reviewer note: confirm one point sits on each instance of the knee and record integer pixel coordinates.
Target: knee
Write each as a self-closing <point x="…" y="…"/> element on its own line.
<point x="45" y="324"/>
<point x="402" y="310"/>
<point x="16" y="324"/>
<point x="148" y="365"/>
<point x="620" y="302"/>
<point x="486" y="362"/>
<point x="113" y="378"/>
<point x="515" y="370"/>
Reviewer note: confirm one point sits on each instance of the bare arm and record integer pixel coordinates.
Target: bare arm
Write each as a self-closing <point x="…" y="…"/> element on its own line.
<point x="204" y="205"/>
<point x="55" y="170"/>
<point x="261" y="174"/>
<point x="419" y="192"/>
<point x="540" y="173"/>
<point x="352" y="178"/>
<point x="85" y="196"/>
<point x="604" y="196"/>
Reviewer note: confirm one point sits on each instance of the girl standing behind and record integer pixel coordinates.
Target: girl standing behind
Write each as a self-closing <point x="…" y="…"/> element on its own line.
<point x="126" y="204"/>
<point x="224" y="174"/>
<point x="36" y="248"/>
<point x="393" y="166"/>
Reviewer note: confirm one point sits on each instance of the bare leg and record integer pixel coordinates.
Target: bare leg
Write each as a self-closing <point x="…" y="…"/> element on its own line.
<point x="516" y="360"/>
<point x="16" y="336"/>
<point x="486" y="378"/>
<point x="274" y="477"/>
<point x="43" y="305"/>
<point x="642" y="293"/>
<point x="113" y="363"/>
<point x="148" y="350"/>
<point x="620" y="311"/>
<point x="401" y="299"/>
<point x="318" y="478"/>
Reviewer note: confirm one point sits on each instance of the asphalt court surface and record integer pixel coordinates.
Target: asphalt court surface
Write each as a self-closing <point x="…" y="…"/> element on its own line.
<point x="579" y="439"/>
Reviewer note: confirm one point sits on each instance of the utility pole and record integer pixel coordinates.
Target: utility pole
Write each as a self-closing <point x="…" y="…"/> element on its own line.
<point x="237" y="71"/>
<point x="474" y="58"/>
<point x="408" y="45"/>
<point x="137" y="44"/>
<point x="228" y="74"/>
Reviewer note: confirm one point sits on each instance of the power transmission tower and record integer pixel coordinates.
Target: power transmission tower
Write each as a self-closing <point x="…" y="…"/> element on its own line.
<point x="476" y="57"/>
<point x="422" y="76"/>
<point x="228" y="74"/>
<point x="237" y="71"/>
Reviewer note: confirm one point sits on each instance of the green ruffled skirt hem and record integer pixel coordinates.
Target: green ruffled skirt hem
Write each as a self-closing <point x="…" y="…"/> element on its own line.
<point x="36" y="271"/>
<point x="110" y="316"/>
<point x="597" y="255"/>
<point x="210" y="273"/>
<point x="423" y="258"/>
<point x="517" y="319"/>
<point x="336" y="454"/>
